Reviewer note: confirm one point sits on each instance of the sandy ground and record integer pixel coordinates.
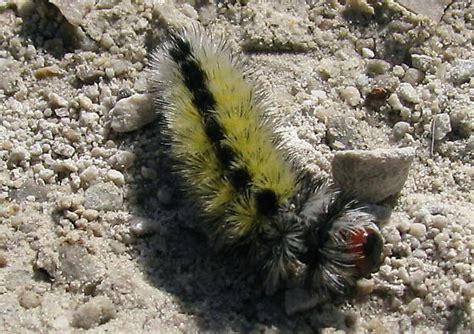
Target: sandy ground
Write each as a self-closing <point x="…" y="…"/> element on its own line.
<point x="94" y="235"/>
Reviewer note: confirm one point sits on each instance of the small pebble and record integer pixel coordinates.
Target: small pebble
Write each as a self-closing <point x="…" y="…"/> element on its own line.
<point x="18" y="155"/>
<point x="90" y="214"/>
<point x="351" y="95"/>
<point x="117" y="247"/>
<point x="89" y="174"/>
<point x="63" y="149"/>
<point x="132" y="113"/>
<point x="441" y="237"/>
<point x="403" y="275"/>
<point x="72" y="216"/>
<point x="95" y="312"/>
<point x="422" y="62"/>
<point x="56" y="101"/>
<point x="116" y="177"/>
<point x="46" y="72"/>
<point x="77" y="267"/>
<point x="3" y="261"/>
<point x="65" y="203"/>
<point x="468" y="290"/>
<point x="29" y="299"/>
<point x="462" y="70"/>
<point x="442" y="126"/>
<point x="414" y="305"/>
<point x="141" y="227"/>
<point x="400" y="129"/>
<point x="122" y="160"/>
<point x="413" y="76"/>
<point x="408" y="93"/>
<point x="398" y="71"/>
<point x="418" y="230"/>
<point x="103" y="196"/>
<point x="367" y="53"/>
<point x="377" y="66"/>
<point x="89" y="118"/>
<point x="365" y="286"/>
<point x="439" y="221"/>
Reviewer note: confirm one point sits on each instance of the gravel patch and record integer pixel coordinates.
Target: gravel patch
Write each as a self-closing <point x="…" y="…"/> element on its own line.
<point x="96" y="234"/>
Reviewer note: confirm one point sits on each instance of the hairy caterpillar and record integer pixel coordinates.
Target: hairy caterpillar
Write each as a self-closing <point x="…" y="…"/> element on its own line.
<point x="250" y="194"/>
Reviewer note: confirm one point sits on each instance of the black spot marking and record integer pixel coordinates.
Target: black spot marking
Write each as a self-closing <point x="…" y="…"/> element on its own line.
<point x="181" y="50"/>
<point x="225" y="155"/>
<point x="372" y="248"/>
<point x="240" y="178"/>
<point x="266" y="201"/>
<point x="213" y="129"/>
<point x="203" y="100"/>
<point x="193" y="76"/>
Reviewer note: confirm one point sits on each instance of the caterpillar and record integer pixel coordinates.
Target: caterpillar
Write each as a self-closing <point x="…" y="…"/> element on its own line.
<point x="252" y="198"/>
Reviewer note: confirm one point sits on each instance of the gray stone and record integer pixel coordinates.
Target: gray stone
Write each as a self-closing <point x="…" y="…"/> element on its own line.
<point x="434" y="9"/>
<point x="408" y="93"/>
<point x="413" y="76"/>
<point x="442" y="126"/>
<point x="374" y="175"/>
<point x="132" y="113"/>
<point x="378" y="66"/>
<point x="77" y="268"/>
<point x="422" y="62"/>
<point x="400" y="129"/>
<point x="29" y="299"/>
<point x="351" y="95"/>
<point x="103" y="196"/>
<point x="462" y="70"/>
<point x="11" y="76"/>
<point x="122" y="160"/>
<point x="74" y="11"/>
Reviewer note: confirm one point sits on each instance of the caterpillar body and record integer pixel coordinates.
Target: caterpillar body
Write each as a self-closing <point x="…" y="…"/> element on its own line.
<point x="234" y="166"/>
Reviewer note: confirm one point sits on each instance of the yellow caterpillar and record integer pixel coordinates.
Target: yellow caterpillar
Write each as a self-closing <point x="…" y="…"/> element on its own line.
<point x="251" y="197"/>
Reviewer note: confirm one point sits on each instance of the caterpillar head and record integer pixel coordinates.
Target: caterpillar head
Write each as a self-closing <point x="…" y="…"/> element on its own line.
<point x="343" y="241"/>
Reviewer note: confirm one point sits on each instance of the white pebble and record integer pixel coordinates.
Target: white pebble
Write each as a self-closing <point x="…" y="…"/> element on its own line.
<point x="116" y="177"/>
<point x="85" y="102"/>
<point x="418" y="230"/>
<point x="56" y="101"/>
<point x="46" y="174"/>
<point x="441" y="237"/>
<point x="132" y="113"/>
<point x="400" y="129"/>
<point x="63" y="149"/>
<point x="365" y="286"/>
<point x="89" y="118"/>
<point x="89" y="174"/>
<point x="468" y="290"/>
<point x="414" y="305"/>
<point x="18" y="154"/>
<point x="351" y="95"/>
<point x="367" y="53"/>
<point x="442" y="126"/>
<point x="398" y="71"/>
<point x="90" y="214"/>
<point x="408" y="93"/>
<point x="439" y="221"/>
<point x="122" y="160"/>
<point x="319" y="95"/>
<point x="403" y="275"/>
